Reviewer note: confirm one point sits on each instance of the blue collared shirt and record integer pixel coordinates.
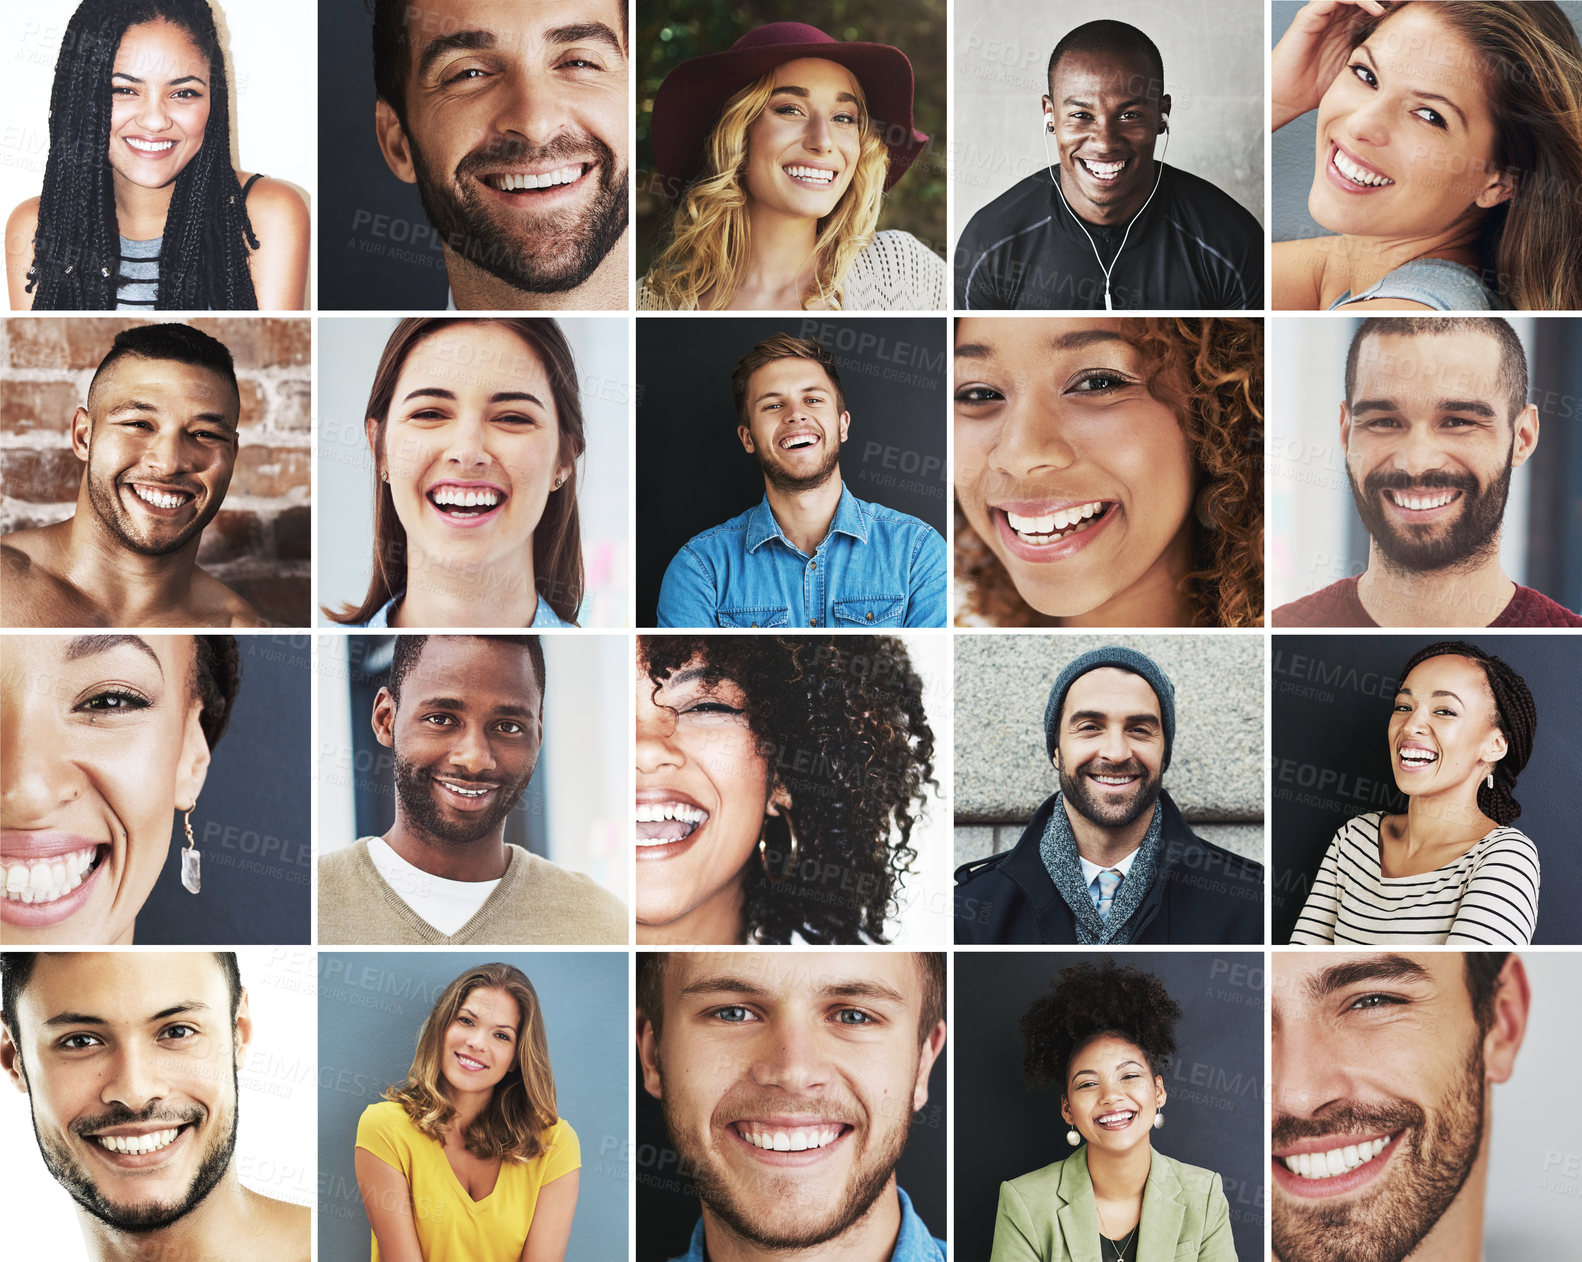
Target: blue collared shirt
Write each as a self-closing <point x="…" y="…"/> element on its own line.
<point x="914" y="1244"/>
<point x="545" y="617"/>
<point x="875" y="568"/>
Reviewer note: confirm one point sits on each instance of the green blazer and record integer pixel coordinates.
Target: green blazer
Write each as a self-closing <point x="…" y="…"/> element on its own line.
<point x="1049" y="1215"/>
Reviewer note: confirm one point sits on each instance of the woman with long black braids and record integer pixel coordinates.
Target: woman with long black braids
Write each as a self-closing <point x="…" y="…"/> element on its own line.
<point x="141" y="207"/>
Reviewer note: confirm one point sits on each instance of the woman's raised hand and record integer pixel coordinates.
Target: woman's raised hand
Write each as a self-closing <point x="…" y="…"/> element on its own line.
<point x="1312" y="51"/>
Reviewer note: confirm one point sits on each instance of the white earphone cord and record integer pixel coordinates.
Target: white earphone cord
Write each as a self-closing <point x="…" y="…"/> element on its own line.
<point x="1055" y="180"/>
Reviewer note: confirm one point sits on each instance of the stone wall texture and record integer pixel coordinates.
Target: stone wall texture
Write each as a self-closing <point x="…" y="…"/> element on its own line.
<point x="259" y="544"/>
<point x="1003" y="773"/>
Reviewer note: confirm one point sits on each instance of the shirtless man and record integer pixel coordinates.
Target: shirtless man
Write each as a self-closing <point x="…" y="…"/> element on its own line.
<point x="129" y="1062"/>
<point x="158" y="443"/>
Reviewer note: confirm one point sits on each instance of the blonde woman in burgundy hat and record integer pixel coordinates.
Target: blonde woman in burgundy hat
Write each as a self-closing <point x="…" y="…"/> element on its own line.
<point x="777" y="155"/>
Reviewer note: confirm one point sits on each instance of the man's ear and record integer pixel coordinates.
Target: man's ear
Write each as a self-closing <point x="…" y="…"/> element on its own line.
<point x="383" y="718"/>
<point x="192" y="767"/>
<point x="1524" y="436"/>
<point x="11" y="1059"/>
<point x="932" y="1045"/>
<point x="393" y="142"/>
<point x="244" y="1029"/>
<point x="845" y="424"/>
<point x="648" y="1054"/>
<point x="1345" y="427"/>
<point x="1048" y="107"/>
<point x="1512" y="999"/>
<point x="1164" y="113"/>
<point x="746" y="435"/>
<point x="81" y="434"/>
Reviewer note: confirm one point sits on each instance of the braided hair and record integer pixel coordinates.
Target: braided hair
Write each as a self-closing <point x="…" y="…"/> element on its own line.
<point x="1514" y="714"/>
<point x="76" y="246"/>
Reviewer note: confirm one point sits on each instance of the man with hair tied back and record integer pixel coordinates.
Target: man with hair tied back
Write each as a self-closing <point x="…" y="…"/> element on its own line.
<point x="811" y="554"/>
<point x="129" y="1061"/>
<point x="1380" y="1101"/>
<point x="1434" y="421"/>
<point x="157" y="440"/>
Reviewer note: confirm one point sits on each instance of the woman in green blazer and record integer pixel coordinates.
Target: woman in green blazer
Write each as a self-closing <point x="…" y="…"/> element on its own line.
<point x="1101" y="1034"/>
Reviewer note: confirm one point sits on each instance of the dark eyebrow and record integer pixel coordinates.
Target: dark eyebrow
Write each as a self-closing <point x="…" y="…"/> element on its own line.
<point x="456" y="41"/>
<point x="580" y="32"/>
<point x="509" y="1025"/>
<point x="1474" y="406"/>
<point x="499" y="396"/>
<point x="724" y="983"/>
<point x="717" y="983"/>
<point x="1404" y="691"/>
<point x="777" y="394"/>
<point x="460" y="706"/>
<point x="791" y="89"/>
<point x="1123" y="105"/>
<point x="132" y="78"/>
<point x="89" y="645"/>
<point x="83" y="1018"/>
<point x="1076" y="340"/>
<point x="1382" y="968"/>
<point x="1427" y="96"/>
<point x="1118" y="1064"/>
<point x="1100" y="716"/>
<point x="138" y="405"/>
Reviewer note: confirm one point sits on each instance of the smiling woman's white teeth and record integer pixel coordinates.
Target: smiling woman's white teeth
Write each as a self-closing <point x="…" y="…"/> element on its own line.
<point x="1357" y="174"/>
<point x="151" y="146"/>
<point x="45" y="880"/>
<point x="810" y="173"/>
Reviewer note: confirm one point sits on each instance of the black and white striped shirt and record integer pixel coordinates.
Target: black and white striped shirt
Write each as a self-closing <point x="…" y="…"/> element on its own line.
<point x="1487" y="897"/>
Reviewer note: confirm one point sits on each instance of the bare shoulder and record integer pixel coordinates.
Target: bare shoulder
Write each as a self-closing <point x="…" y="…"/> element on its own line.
<point x="284" y="1230"/>
<point x="216" y="605"/>
<point x="279" y="265"/>
<point x="19" y="230"/>
<point x="1298" y="273"/>
<point x="276" y="204"/>
<point x="33" y="594"/>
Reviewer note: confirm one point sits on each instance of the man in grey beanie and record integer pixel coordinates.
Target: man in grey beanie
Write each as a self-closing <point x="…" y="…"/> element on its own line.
<point x="1109" y="858"/>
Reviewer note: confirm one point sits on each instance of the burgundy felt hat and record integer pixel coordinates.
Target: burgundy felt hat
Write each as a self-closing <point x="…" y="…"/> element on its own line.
<point x="689" y="101"/>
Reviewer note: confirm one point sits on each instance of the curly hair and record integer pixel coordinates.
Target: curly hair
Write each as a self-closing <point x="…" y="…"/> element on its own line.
<point x="709" y="245"/>
<point x="840" y="723"/>
<point x="215" y="679"/>
<point x="1092" y="1000"/>
<point x="1221" y="414"/>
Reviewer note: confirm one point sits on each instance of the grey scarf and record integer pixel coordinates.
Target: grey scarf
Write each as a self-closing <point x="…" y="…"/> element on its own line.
<point x="1058" y="849"/>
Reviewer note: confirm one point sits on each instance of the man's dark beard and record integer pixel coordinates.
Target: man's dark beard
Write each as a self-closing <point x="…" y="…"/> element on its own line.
<point x="71" y="1175"/>
<point x="412" y="783"/>
<point x="1470" y="539"/>
<point x="547" y="254"/>
<point x="778" y="478"/>
<point x="1082" y="797"/>
<point x="1386" y="1223"/>
<point x="108" y="508"/>
<point x="861" y="1192"/>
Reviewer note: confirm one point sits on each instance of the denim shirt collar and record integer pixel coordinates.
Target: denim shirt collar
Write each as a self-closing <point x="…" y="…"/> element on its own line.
<point x="913" y="1244"/>
<point x="849" y="519"/>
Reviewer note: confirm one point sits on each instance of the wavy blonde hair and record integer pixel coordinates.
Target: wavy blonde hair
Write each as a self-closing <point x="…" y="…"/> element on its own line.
<point x="709" y="240"/>
<point x="522" y="1108"/>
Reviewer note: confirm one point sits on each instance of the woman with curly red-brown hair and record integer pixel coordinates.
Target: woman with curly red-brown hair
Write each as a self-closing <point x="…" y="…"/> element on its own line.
<point x="1109" y="472"/>
<point x="778" y="783"/>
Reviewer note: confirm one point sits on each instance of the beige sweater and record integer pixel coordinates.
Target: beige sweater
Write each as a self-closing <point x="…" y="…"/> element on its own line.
<point x="535" y="904"/>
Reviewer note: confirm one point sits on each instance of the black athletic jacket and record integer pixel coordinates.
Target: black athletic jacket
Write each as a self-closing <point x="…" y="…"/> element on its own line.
<point x="1193" y="248"/>
<point x="1201" y="893"/>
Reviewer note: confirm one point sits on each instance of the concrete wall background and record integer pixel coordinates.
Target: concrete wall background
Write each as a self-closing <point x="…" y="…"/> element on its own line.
<point x="1213" y="61"/>
<point x="1216" y="765"/>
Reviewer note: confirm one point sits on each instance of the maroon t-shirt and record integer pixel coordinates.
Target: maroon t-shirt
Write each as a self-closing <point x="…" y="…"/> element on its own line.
<point x="1338" y="605"/>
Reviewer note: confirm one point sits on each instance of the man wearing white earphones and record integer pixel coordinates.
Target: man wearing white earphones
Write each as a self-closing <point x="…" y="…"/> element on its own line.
<point x="1104" y="227"/>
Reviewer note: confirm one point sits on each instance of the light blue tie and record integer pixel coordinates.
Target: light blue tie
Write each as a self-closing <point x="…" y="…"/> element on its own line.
<point x="1106" y="883"/>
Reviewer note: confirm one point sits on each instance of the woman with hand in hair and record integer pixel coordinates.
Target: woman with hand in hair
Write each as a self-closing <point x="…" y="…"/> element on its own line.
<point x="141" y="208"/>
<point x="468" y="1158"/>
<point x="1103" y="1035"/>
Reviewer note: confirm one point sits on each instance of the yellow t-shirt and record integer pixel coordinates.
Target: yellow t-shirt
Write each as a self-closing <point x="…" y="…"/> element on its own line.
<point x="450" y="1224"/>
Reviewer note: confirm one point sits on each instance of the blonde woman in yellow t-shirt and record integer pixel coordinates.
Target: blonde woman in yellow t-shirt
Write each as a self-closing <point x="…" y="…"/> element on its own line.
<point x="468" y="1158"/>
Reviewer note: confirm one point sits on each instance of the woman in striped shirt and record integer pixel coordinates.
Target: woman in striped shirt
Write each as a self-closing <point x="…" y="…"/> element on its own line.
<point x="1452" y="869"/>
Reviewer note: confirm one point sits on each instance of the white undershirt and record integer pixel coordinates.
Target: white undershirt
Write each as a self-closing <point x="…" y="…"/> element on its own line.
<point x="447" y="905"/>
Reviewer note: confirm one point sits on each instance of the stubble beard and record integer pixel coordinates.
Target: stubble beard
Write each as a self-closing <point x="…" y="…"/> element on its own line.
<point x="749" y="1212"/>
<point x="547" y="254"/>
<point x="1468" y="542"/>
<point x="1388" y="1222"/>
<point x="778" y="477"/>
<point x="419" y="812"/>
<point x="1105" y="814"/>
<point x="71" y="1174"/>
<point x="104" y="496"/>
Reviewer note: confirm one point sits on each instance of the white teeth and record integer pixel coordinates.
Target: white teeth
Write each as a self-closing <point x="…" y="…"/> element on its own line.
<point x="547" y="179"/>
<point x="659" y="812"/>
<point x="135" y="1144"/>
<point x="1114" y="779"/>
<point x="1114" y="1119"/>
<point x="816" y="174"/>
<point x="1420" y="502"/>
<point x="798" y="440"/>
<point x="1048" y="528"/>
<point x="792" y="1139"/>
<point x="1326" y="1165"/>
<point x="1418" y="755"/>
<point x="159" y="499"/>
<point x="151" y="146"/>
<point x="45" y="880"/>
<point x="1103" y="170"/>
<point x="463" y="497"/>
<point x="1357" y="174"/>
<point x="461" y="792"/>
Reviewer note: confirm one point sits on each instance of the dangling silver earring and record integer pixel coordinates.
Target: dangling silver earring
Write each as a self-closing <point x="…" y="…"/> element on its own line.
<point x="1072" y="1137"/>
<point x="1491" y="781"/>
<point x="191" y="872"/>
<point x="1159" y="1119"/>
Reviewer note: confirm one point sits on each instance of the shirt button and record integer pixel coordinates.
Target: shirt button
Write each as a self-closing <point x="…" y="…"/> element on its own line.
<point x="755" y="624"/>
<point x="812" y="565"/>
<point x="870" y="615"/>
<point x="812" y="622"/>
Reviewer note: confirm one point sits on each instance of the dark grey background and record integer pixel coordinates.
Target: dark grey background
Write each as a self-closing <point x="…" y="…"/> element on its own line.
<point x="692" y="471"/>
<point x="1214" y="1115"/>
<point x="376" y="249"/>
<point x="251" y="821"/>
<point x="370" y="1009"/>
<point x="1331" y="759"/>
<point x="668" y="1208"/>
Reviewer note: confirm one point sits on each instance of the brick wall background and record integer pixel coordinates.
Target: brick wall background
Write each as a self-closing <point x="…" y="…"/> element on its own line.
<point x="259" y="543"/>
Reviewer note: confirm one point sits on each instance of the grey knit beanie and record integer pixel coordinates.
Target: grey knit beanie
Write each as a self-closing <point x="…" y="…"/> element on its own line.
<point x="1123" y="659"/>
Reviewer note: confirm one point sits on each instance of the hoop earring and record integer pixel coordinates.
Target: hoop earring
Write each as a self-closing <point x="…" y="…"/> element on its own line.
<point x="795" y="851"/>
<point x="191" y="871"/>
